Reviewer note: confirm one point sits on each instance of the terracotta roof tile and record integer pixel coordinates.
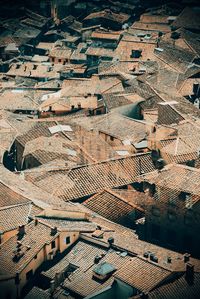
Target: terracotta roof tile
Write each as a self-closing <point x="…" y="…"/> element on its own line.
<point x="92" y="178"/>
<point x="36" y="236"/>
<point x="8" y="197"/>
<point x="132" y="272"/>
<point x="111" y="206"/>
<point x="178" y="289"/>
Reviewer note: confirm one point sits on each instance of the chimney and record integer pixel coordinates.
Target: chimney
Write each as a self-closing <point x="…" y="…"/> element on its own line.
<point x="97" y="259"/>
<point x="146" y="255"/>
<point x="189" y="273"/>
<point x="54" y="231"/>
<point x="52" y="286"/>
<point x="19" y="244"/>
<point x="186" y="257"/>
<point x="169" y="260"/>
<point x="196" y="89"/>
<point x="111" y="241"/>
<point x="21" y="231"/>
<point x="153" y="258"/>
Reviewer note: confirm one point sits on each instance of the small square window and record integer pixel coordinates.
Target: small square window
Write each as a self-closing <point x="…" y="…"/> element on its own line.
<point x="53" y="244"/>
<point x="111" y="138"/>
<point x="67" y="240"/>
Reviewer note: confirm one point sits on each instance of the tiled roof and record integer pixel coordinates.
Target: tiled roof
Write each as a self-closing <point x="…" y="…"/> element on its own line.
<point x="45" y="156"/>
<point x="46" y="149"/>
<point x="61" y="53"/>
<point x="25" y="190"/>
<point x="176" y="57"/>
<point x="92" y="178"/>
<point x="187" y="86"/>
<point x="114" y="100"/>
<point x="108" y="14"/>
<point x="106" y="35"/>
<point x="178" y="150"/>
<point x="167" y="115"/>
<point x="69" y="225"/>
<point x="38" y="293"/>
<point x="40" y="129"/>
<point x="8" y="197"/>
<point x="151" y="27"/>
<point x="110" y="205"/>
<point x="125" y="47"/>
<point x="142" y="275"/>
<point x="125" y="239"/>
<point x="192" y="39"/>
<point x="102" y="52"/>
<point x="122" y="127"/>
<point x="178" y="289"/>
<point x="106" y="67"/>
<point x="153" y="18"/>
<point x="188" y="18"/>
<point x="34" y="70"/>
<point x="141" y="89"/>
<point x="82" y="255"/>
<point x="164" y="79"/>
<point x="12" y="217"/>
<point x="12" y="100"/>
<point x="184" y="107"/>
<point x="32" y="242"/>
<point x="92" y="86"/>
<point x="178" y="177"/>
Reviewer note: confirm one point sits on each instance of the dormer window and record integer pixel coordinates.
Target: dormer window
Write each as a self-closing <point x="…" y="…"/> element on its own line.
<point x="103" y="271"/>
